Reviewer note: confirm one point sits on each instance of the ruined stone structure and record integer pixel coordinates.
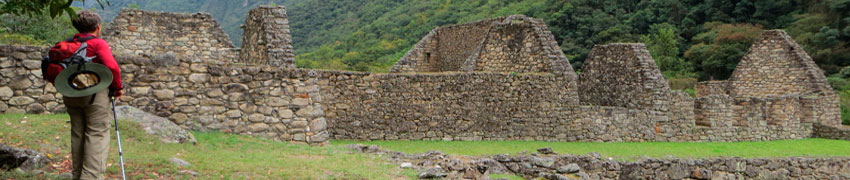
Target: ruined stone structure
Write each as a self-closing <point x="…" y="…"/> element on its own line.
<point x="774" y="66"/>
<point x="623" y="75"/>
<point x="509" y="82"/>
<point x="196" y="37"/>
<point x="545" y="164"/>
<point x="267" y="38"/>
<point x="506" y="44"/>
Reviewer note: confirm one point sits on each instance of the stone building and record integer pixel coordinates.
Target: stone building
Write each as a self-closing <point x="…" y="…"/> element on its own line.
<point x="506" y="44"/>
<point x="497" y="79"/>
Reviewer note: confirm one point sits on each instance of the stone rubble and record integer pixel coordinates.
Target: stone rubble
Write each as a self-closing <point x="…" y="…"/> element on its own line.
<point x="594" y="166"/>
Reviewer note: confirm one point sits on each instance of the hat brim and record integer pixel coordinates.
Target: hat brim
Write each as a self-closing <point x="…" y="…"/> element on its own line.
<point x="63" y="80"/>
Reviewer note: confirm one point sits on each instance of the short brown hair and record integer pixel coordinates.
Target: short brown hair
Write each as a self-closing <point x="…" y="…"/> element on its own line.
<point x="86" y="21"/>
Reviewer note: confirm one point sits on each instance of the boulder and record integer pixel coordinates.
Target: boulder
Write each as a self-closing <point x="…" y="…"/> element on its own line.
<point x="546" y="150"/>
<point x="166" y="130"/>
<point x="25" y="159"/>
<point x="432" y="173"/>
<point x="179" y="162"/>
<point x="569" y="168"/>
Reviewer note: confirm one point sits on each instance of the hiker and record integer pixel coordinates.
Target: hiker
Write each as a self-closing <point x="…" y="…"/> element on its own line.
<point x="88" y="103"/>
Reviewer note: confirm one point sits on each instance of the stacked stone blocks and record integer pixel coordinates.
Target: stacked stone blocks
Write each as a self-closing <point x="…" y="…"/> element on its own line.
<point x="514" y="84"/>
<point x="197" y="37"/>
<point x="266" y="39"/>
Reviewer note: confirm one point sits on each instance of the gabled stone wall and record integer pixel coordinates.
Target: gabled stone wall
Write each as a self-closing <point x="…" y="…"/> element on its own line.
<point x="623" y="75"/>
<point x="775" y="65"/>
<point x="506" y="44"/>
<point x="169" y="36"/>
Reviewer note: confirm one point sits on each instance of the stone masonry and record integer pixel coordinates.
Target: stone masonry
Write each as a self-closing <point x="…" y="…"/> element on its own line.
<point x="776" y="65"/>
<point x="267" y="38"/>
<point x="623" y="75"/>
<point x="507" y="44"/>
<point x="512" y="83"/>
<point x="162" y="35"/>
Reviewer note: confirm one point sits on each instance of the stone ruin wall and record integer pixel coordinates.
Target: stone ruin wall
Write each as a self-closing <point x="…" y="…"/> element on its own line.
<point x="775" y="65"/>
<point x="197" y="37"/>
<point x="623" y="75"/>
<point x="266" y="39"/>
<point x="775" y="68"/>
<point x="510" y="44"/>
<point x="444" y="48"/>
<point x="447" y="106"/>
<point x="312" y="106"/>
<point x="261" y="101"/>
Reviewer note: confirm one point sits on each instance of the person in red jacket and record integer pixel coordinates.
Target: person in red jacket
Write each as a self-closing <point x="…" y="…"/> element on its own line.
<point x="90" y="115"/>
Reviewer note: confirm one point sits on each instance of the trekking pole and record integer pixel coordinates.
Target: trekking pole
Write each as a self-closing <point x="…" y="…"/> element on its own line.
<point x="118" y="134"/>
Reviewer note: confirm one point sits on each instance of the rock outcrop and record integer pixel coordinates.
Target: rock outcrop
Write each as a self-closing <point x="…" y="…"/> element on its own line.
<point x="166" y="130"/>
<point x="25" y="159"/>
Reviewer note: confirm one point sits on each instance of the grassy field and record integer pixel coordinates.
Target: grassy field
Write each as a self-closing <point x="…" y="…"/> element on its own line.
<point x="226" y="156"/>
<point x="217" y="156"/>
<point x="629" y="150"/>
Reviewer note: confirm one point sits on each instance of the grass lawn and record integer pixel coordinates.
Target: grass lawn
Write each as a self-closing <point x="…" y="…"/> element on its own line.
<point x="227" y="156"/>
<point x="217" y="155"/>
<point x="629" y="150"/>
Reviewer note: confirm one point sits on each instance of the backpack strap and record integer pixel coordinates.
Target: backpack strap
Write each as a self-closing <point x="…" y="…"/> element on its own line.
<point x="79" y="56"/>
<point x="83" y="40"/>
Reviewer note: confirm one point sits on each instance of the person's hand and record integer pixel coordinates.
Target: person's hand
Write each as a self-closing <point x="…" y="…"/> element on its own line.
<point x="117" y="93"/>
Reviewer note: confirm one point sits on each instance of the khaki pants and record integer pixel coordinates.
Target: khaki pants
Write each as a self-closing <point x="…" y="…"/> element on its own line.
<point x="90" y="120"/>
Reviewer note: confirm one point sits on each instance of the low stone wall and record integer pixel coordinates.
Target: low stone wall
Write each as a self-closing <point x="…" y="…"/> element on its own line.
<point x="449" y="106"/>
<point x="708" y="88"/>
<point x="546" y="164"/>
<point x="22" y="85"/>
<point x="712" y="168"/>
<point x="262" y="101"/>
<point x="831" y="132"/>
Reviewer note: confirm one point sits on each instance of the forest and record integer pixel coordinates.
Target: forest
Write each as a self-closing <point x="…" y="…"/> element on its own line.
<point x="689" y="39"/>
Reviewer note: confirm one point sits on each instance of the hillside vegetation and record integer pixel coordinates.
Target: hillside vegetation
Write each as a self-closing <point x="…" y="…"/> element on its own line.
<point x="688" y="38"/>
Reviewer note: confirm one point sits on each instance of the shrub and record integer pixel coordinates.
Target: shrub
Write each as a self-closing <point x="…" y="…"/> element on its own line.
<point x="839" y="84"/>
<point x="19" y="39"/>
<point x="845" y="72"/>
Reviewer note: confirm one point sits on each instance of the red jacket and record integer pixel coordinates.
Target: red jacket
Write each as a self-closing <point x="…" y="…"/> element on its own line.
<point x="96" y="47"/>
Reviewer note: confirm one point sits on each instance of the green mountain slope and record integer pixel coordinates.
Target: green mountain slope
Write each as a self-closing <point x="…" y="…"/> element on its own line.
<point x="710" y="35"/>
<point x="229" y="13"/>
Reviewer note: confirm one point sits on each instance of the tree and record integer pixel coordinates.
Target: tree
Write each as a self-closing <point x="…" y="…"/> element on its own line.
<point x="37" y="7"/>
<point x="41" y="29"/>
<point x="664" y="47"/>
<point x="718" y="51"/>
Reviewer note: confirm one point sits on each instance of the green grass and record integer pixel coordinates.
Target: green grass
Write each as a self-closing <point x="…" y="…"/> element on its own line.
<point x="629" y="150"/>
<point x="227" y="156"/>
<point x="506" y="176"/>
<point x="217" y="155"/>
